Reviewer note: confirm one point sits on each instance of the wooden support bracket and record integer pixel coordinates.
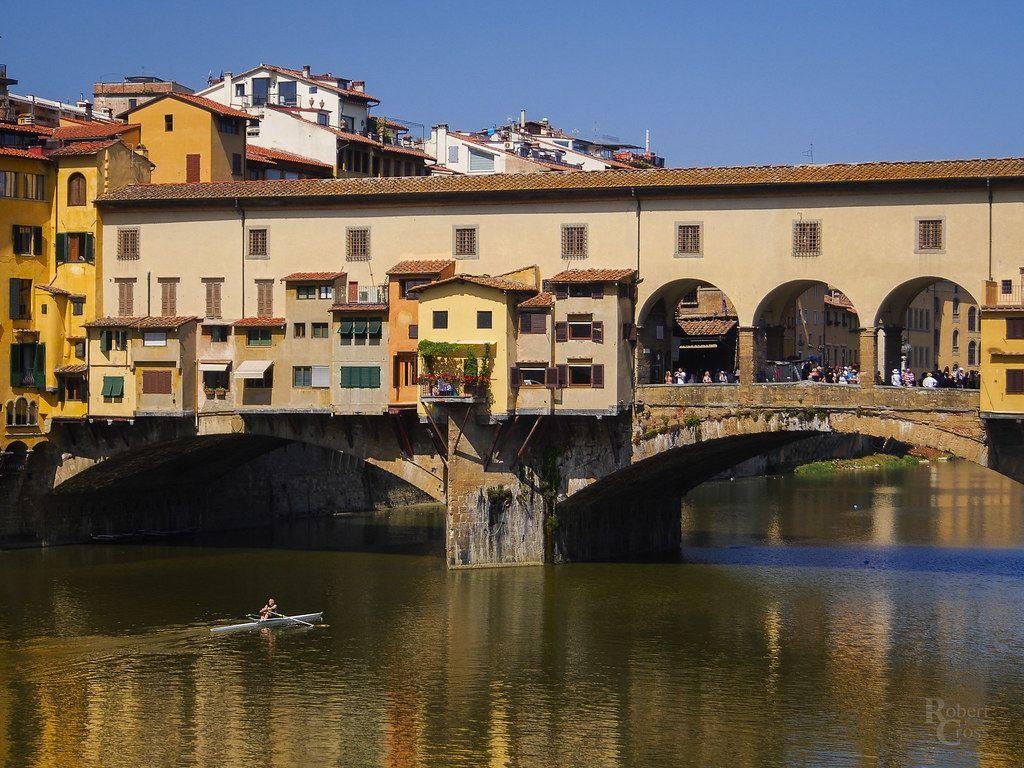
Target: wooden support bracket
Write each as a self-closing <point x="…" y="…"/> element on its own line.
<point x="526" y="442"/>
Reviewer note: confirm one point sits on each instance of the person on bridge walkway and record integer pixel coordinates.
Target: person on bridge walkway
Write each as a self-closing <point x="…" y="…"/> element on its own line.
<point x="268" y="610"/>
<point x="897" y="380"/>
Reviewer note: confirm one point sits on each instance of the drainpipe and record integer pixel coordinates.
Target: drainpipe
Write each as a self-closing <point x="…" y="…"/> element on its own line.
<point x="149" y="294"/>
<point x="988" y="185"/>
<point x="634" y="295"/>
<point x="241" y="213"/>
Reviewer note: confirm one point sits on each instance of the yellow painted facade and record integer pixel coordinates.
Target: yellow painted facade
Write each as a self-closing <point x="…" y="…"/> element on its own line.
<point x="1002" y="349"/>
<point x="173" y="129"/>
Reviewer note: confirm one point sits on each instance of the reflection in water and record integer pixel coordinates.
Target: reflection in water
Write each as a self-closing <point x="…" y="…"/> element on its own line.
<point x="809" y="627"/>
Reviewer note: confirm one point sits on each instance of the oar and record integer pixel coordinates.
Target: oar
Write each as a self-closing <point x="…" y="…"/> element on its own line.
<point x="292" y="618"/>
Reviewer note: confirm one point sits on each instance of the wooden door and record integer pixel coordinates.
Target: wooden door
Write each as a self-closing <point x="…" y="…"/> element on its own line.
<point x="405" y="388"/>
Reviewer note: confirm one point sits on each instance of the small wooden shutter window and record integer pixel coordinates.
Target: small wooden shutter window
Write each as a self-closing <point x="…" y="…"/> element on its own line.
<point x="597" y="332"/>
<point x="37" y="241"/>
<point x="264" y="298"/>
<point x="1015" y="382"/>
<point x="597" y="291"/>
<point x="561" y="291"/>
<point x="563" y="376"/>
<point x="76" y="189"/>
<point x="125" y="298"/>
<point x="561" y="331"/>
<point x="550" y="378"/>
<point x="1015" y="327"/>
<point x="168" y="298"/>
<point x="213" y="290"/>
<point x="515" y="377"/>
<point x="191" y="169"/>
<point x="597" y="376"/>
<point x="156" y="382"/>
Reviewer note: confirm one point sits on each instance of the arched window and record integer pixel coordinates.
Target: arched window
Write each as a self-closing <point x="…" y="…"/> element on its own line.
<point x="9" y="413"/>
<point x="972" y="353"/>
<point x="76" y="189"/>
<point x="21" y="412"/>
<point x="956" y="308"/>
<point x="972" y="319"/>
<point x="33" y="413"/>
<point x="956" y="341"/>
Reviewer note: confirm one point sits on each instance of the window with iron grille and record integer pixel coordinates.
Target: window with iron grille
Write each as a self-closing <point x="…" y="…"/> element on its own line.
<point x="806" y="238"/>
<point x="465" y="243"/>
<point x="929" y="234"/>
<point x="1006" y="287"/>
<point x="128" y="243"/>
<point x="258" y="244"/>
<point x="574" y="241"/>
<point x="688" y="240"/>
<point x="357" y="244"/>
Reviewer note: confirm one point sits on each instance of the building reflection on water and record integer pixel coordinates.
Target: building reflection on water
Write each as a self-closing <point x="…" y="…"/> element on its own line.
<point x="109" y="661"/>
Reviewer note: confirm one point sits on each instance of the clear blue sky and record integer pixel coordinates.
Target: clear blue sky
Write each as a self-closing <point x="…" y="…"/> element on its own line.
<point x="717" y="83"/>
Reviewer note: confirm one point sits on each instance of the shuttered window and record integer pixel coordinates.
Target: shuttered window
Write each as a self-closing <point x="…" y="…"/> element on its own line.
<point x="321" y="377"/>
<point x="156" y="382"/>
<point x="125" y="297"/>
<point x="127" y="243"/>
<point x="191" y="169"/>
<point x="360" y="377"/>
<point x="113" y="386"/>
<point x="22" y="239"/>
<point x="213" y="294"/>
<point x="168" y="296"/>
<point x="1015" y="382"/>
<point x="264" y="298"/>
<point x="20" y="298"/>
<point x="574" y="241"/>
<point x="76" y="189"/>
<point x="258" y="244"/>
<point x="480" y="162"/>
<point x="533" y="322"/>
<point x="357" y="244"/>
<point x="1015" y="327"/>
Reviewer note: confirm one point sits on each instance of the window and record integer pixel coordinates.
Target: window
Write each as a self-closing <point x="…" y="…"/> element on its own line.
<point x="414" y="331"/>
<point x="257" y="337"/>
<point x="464" y="246"/>
<point x="972" y="353"/>
<point x="266" y="382"/>
<point x="156" y="382"/>
<point x="213" y="294"/>
<point x="77" y="306"/>
<point x="154" y="339"/>
<point x="260" y="90"/>
<point x="127" y="243"/>
<point x="972" y="319"/>
<point x="125" y="296"/>
<point x="360" y="377"/>
<point x="531" y="375"/>
<point x="806" y="238"/>
<point x="218" y="334"/>
<point x="168" y="123"/>
<point x="239" y="89"/>
<point x="574" y="241"/>
<point x="1015" y="382"/>
<point x="408" y="285"/>
<point x="325" y="291"/>
<point x="298" y="330"/>
<point x="453" y="155"/>
<point x="168" y="296"/>
<point x="79" y="347"/>
<point x="322" y="118"/>
<point x="484" y="319"/>
<point x="305" y="292"/>
<point x="581" y="375"/>
<point x="113" y="386"/>
<point x="929" y="235"/>
<point x="216" y="380"/>
<point x="133" y="103"/>
<point x="236" y="163"/>
<point x="1015" y="327"/>
<point x="227" y="125"/>
<point x="74" y="389"/>
<point x="27" y="241"/>
<point x="480" y="162"/>
<point x="264" y="298"/>
<point x="1006" y="287"/>
<point x="76" y="189"/>
<point x="440" y="318"/>
<point x="581" y="326"/>
<point x="319" y="330"/>
<point x="956" y="341"/>
<point x="75" y="247"/>
<point x="192" y="164"/>
<point x="584" y="290"/>
<point x="357" y="247"/>
<point x="533" y="322"/>
<point x="302" y="376"/>
<point x="688" y="240"/>
<point x="287" y="92"/>
<point x="258" y="244"/>
<point x="20" y="298"/>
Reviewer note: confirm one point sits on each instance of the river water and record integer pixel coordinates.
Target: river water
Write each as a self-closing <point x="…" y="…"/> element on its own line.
<point x="871" y="619"/>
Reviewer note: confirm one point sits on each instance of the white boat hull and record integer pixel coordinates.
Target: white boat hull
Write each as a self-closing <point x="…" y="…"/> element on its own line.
<point x="284" y="621"/>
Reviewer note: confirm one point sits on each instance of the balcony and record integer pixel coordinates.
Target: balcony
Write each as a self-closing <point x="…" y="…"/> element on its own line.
<point x="452" y="389"/>
<point x="368" y="296"/>
<point x="1005" y="293"/>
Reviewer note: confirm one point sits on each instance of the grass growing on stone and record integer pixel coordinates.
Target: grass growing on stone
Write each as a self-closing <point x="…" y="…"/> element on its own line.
<point x="874" y="461"/>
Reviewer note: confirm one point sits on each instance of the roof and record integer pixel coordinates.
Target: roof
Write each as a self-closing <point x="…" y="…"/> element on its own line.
<point x="26" y="153"/>
<point x="190" y="98"/>
<point x="273" y="156"/>
<point x="92" y="131"/>
<point x="37" y="130"/>
<point x="325" y="80"/>
<point x="486" y="281"/>
<point x="71" y="370"/>
<point x="358" y="138"/>
<point x="53" y="290"/>
<point x="498" y="148"/>
<point x="297" y="276"/>
<point x="170" y="321"/>
<point x="594" y="276"/>
<point x="356" y="307"/>
<point x="83" y="148"/>
<point x="111" y="322"/>
<point x="621" y="183"/>
<point x="421" y="267"/>
<point x="259" y="322"/>
<point x="839" y="300"/>
<point x="706" y="326"/>
<point x="542" y="300"/>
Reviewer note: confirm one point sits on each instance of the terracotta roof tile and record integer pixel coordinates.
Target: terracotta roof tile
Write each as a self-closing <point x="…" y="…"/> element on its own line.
<point x="38" y="130"/>
<point x="169" y="321"/>
<point x="622" y="182"/>
<point x="71" y="370"/>
<point x="706" y="326"/>
<point x="297" y="276"/>
<point x="325" y="80"/>
<point x="200" y="101"/>
<point x="272" y="156"/>
<point x="356" y="307"/>
<point x="92" y="131"/>
<point x="498" y="283"/>
<point x="53" y="290"/>
<point x="421" y="267"/>
<point x="594" y="276"/>
<point x="111" y="322"/>
<point x="839" y="300"/>
<point x="26" y="153"/>
<point x="542" y="300"/>
<point x="259" y="322"/>
<point x="83" y="148"/>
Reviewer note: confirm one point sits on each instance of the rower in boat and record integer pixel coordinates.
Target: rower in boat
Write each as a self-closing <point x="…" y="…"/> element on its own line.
<point x="268" y="610"/>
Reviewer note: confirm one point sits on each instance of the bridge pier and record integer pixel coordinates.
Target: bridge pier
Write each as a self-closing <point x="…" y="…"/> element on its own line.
<point x="637" y="527"/>
<point x="868" y="338"/>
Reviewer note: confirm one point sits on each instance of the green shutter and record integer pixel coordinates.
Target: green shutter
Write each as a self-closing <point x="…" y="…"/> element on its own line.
<point x="39" y="369"/>
<point x="359" y="327"/>
<point x="90" y="248"/>
<point x="113" y="386"/>
<point x="346" y="377"/>
<point x="62" y="248"/>
<point x="15" y="365"/>
<point x="15" y="294"/>
<point x="375" y="326"/>
<point x="374" y="377"/>
<point x="37" y="241"/>
<point x="106" y="338"/>
<point x="345" y="329"/>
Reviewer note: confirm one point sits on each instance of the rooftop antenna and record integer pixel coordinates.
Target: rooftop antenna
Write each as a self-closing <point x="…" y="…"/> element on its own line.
<point x="809" y="152"/>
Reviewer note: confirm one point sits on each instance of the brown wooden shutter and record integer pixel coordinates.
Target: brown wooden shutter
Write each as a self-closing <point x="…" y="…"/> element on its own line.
<point x="623" y="290"/>
<point x="597" y="291"/>
<point x="125" y="298"/>
<point x="526" y="322"/>
<point x="353" y="292"/>
<point x="550" y="378"/>
<point x="168" y="298"/>
<point x="628" y="332"/>
<point x="597" y="332"/>
<point x="156" y="382"/>
<point x="1015" y="327"/>
<point x="1015" y="382"/>
<point x="515" y="377"/>
<point x="561" y="291"/>
<point x="563" y="376"/>
<point x="540" y="322"/>
<point x="191" y="169"/>
<point x="264" y="298"/>
<point x="597" y="376"/>
<point x="561" y="331"/>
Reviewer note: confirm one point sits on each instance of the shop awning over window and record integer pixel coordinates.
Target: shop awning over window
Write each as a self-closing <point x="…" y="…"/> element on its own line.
<point x="214" y="366"/>
<point x="253" y="369"/>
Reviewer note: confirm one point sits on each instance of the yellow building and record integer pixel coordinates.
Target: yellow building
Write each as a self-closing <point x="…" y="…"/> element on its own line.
<point x="1002" y="351"/>
<point x="192" y="139"/>
<point x="467" y="333"/>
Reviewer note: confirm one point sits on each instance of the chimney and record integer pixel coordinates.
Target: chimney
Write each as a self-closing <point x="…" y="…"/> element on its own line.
<point x="87" y="106"/>
<point x="226" y="78"/>
<point x="359" y="85"/>
<point x="108" y="112"/>
<point x="305" y="71"/>
<point x="522" y="118"/>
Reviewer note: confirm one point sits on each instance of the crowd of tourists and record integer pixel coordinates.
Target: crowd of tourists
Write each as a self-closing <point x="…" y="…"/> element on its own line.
<point x="958" y="378"/>
<point x="682" y="376"/>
